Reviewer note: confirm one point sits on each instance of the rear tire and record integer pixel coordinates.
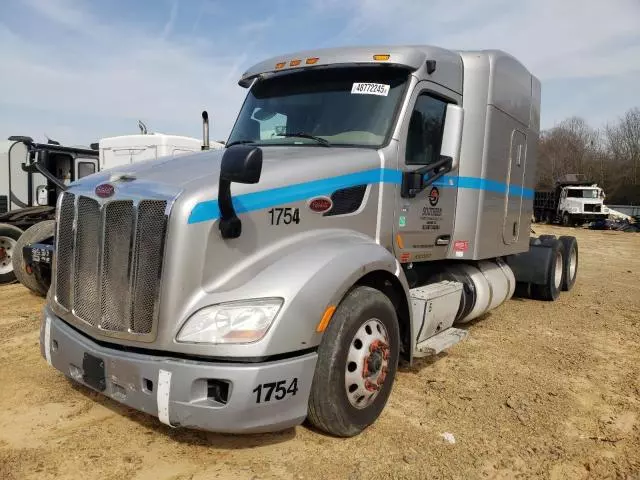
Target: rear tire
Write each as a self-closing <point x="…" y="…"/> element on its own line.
<point x="351" y="342"/>
<point x="550" y="290"/>
<point x="9" y="236"/>
<point x="570" y="262"/>
<point x="34" y="234"/>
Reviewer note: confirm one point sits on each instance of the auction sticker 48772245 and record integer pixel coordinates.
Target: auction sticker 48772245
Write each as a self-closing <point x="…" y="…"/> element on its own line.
<point x="370" y="89"/>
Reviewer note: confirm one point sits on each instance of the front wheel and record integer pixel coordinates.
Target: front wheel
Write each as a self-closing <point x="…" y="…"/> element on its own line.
<point x="9" y="236"/>
<point x="34" y="234"/>
<point x="357" y="364"/>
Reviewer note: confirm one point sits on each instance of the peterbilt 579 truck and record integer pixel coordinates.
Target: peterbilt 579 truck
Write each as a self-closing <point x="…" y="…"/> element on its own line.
<point x="368" y="203"/>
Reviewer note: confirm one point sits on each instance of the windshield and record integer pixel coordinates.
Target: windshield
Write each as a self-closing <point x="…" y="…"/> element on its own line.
<point x="582" y="193"/>
<point x="353" y="106"/>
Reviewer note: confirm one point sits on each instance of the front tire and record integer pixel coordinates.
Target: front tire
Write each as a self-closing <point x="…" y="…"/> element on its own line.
<point x="34" y="234"/>
<point x="9" y="236"/>
<point x="357" y="364"/>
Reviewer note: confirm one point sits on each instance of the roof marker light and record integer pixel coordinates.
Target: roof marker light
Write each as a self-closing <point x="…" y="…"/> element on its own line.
<point x="312" y="60"/>
<point x="381" y="57"/>
<point x="294" y="63"/>
<point x="280" y="65"/>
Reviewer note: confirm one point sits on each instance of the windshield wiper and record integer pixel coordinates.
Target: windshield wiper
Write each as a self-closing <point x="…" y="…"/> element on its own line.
<point x="239" y="142"/>
<point x="320" y="140"/>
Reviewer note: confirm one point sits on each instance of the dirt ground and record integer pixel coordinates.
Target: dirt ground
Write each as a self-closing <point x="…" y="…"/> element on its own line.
<point x="538" y="390"/>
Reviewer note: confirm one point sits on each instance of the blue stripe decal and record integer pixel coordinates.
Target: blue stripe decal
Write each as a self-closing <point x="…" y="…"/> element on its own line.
<point x="248" y="202"/>
<point x="493" y="186"/>
<point x="209" y="210"/>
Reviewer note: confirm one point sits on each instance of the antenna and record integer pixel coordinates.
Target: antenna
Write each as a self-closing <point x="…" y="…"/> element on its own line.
<point x="142" y="127"/>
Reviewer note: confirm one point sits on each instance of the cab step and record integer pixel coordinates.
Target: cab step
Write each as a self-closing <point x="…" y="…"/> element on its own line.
<point x="442" y="341"/>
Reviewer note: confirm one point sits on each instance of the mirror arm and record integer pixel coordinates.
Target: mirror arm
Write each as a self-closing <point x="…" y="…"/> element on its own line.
<point x="413" y="181"/>
<point x="230" y="224"/>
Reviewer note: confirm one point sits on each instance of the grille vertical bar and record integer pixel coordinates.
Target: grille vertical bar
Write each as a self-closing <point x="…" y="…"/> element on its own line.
<point x="150" y="233"/>
<point x="109" y="262"/>
<point x="86" y="295"/>
<point x="64" y="250"/>
<point x="115" y="309"/>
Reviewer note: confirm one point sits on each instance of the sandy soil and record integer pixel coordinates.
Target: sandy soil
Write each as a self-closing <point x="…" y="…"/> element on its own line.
<point x="538" y="390"/>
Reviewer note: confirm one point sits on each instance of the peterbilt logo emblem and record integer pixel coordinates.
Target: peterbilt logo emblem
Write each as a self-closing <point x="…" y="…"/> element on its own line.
<point x="320" y="204"/>
<point x="104" y="190"/>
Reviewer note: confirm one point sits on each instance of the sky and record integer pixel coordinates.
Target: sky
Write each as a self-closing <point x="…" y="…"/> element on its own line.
<point x="79" y="70"/>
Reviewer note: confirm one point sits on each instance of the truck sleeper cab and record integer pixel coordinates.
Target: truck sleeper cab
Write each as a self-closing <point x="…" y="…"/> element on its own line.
<point x="367" y="200"/>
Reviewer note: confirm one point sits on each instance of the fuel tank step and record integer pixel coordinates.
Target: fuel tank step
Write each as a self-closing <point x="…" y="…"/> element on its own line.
<point x="443" y="340"/>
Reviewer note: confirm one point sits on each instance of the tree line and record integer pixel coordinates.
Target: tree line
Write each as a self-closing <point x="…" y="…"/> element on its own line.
<point x="609" y="156"/>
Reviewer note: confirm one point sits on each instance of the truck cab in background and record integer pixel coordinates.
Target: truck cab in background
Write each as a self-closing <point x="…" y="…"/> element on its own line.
<point x="574" y="201"/>
<point x="32" y="176"/>
<point x="127" y="149"/>
<point x="38" y="173"/>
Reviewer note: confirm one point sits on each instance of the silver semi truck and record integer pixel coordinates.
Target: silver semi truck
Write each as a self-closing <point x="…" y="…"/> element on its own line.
<point x="368" y="202"/>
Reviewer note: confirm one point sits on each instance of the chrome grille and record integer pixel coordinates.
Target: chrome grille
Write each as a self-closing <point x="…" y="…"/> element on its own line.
<point x="146" y="278"/>
<point x="85" y="292"/>
<point x="115" y="264"/>
<point x="109" y="260"/>
<point x="64" y="250"/>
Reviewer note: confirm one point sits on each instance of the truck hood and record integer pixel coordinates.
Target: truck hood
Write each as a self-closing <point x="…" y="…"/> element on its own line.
<point x="281" y="166"/>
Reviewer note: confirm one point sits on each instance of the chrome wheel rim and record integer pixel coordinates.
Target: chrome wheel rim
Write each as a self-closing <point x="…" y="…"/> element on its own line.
<point x="573" y="263"/>
<point x="367" y="363"/>
<point x="7" y="245"/>
<point x="558" y="272"/>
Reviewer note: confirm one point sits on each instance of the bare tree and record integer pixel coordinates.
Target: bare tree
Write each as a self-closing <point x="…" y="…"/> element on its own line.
<point x="623" y="143"/>
<point x="610" y="157"/>
<point x="570" y="147"/>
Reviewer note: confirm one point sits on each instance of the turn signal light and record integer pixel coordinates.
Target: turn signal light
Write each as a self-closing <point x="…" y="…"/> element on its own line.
<point x="386" y="56"/>
<point x="326" y="318"/>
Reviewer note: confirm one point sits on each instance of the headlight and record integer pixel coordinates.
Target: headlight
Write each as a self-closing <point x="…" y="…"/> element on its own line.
<point x="575" y="209"/>
<point x="234" y="322"/>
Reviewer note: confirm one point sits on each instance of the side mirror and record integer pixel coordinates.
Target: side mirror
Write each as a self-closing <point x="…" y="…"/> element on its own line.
<point x="240" y="164"/>
<point x="452" y="134"/>
<point x="42" y="196"/>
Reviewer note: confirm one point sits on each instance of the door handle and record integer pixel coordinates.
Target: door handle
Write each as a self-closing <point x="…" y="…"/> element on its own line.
<point x="443" y="240"/>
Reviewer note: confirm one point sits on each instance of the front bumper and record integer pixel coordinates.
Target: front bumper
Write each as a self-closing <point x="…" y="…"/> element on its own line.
<point x="178" y="391"/>
<point x="590" y="215"/>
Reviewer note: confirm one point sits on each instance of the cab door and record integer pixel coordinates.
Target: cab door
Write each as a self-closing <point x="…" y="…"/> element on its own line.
<point x="515" y="175"/>
<point x="424" y="223"/>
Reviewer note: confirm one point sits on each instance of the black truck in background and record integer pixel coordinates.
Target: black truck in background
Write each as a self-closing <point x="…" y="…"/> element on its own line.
<point x="32" y="176"/>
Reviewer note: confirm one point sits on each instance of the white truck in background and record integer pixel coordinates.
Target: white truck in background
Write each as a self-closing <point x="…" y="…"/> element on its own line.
<point x="573" y="201"/>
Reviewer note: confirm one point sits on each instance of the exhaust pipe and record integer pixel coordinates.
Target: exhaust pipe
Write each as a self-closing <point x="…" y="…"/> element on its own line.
<point x="205" y="130"/>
